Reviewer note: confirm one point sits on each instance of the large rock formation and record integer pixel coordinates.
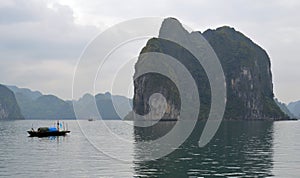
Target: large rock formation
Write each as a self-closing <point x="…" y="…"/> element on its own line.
<point x="9" y="108"/>
<point x="246" y="67"/>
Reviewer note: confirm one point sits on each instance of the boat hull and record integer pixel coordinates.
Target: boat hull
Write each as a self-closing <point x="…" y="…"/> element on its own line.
<point x="47" y="134"/>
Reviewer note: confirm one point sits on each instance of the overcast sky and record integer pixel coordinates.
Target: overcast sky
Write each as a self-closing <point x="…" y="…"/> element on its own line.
<point x="41" y="40"/>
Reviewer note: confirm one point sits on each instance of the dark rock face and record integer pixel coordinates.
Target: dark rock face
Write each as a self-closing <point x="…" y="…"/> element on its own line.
<point x="9" y="108"/>
<point x="246" y="68"/>
<point x="144" y="88"/>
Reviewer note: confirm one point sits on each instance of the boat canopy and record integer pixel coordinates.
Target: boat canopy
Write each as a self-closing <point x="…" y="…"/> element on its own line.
<point x="53" y="129"/>
<point x="47" y="129"/>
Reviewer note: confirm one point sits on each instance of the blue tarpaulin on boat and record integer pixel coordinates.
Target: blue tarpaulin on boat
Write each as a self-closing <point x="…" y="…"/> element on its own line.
<point x="52" y="129"/>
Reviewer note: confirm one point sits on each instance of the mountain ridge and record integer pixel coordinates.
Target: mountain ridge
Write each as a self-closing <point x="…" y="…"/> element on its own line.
<point x="35" y="105"/>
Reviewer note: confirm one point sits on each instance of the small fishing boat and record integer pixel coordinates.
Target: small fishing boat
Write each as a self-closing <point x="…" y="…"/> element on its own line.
<point x="47" y="131"/>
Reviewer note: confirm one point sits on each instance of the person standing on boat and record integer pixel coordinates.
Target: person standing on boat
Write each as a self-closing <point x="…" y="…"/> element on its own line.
<point x="57" y="125"/>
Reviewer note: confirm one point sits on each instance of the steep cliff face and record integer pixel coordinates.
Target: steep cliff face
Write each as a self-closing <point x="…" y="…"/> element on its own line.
<point x="9" y="108"/>
<point x="248" y="75"/>
<point x="246" y="67"/>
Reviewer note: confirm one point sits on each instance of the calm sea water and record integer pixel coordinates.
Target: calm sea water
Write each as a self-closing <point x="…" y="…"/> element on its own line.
<point x="239" y="149"/>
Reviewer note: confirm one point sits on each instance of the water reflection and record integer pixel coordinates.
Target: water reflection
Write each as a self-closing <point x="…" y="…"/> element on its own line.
<point x="58" y="139"/>
<point x="239" y="149"/>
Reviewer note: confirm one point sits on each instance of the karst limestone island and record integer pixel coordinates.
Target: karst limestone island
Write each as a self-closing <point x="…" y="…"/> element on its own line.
<point x="246" y="68"/>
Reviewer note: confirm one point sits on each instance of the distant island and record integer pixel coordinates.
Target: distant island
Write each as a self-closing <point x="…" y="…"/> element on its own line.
<point x="246" y="66"/>
<point x="35" y="105"/>
<point x="294" y="108"/>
